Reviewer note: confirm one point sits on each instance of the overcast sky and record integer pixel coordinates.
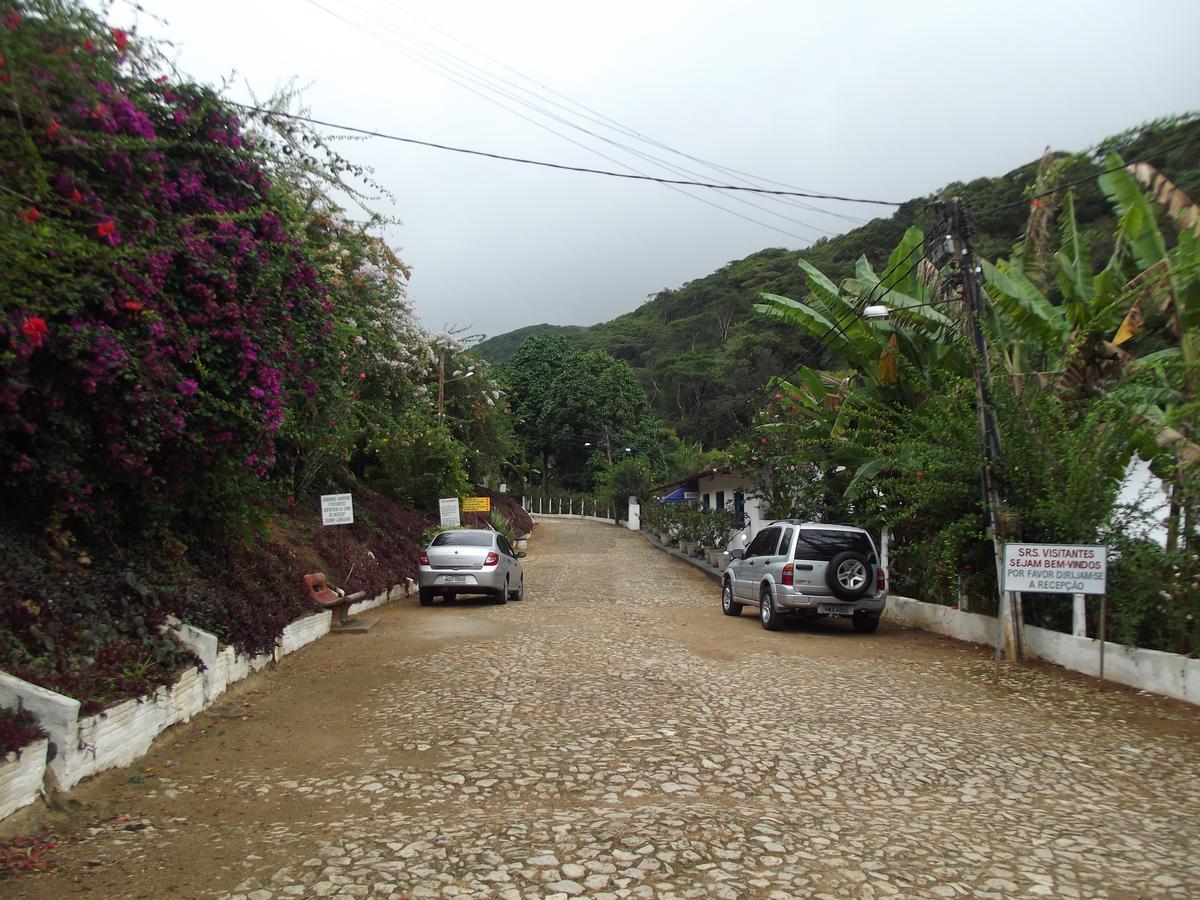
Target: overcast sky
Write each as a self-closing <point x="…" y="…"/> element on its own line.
<point x="869" y="99"/>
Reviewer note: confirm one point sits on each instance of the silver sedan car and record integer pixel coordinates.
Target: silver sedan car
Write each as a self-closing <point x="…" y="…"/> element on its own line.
<point x="470" y="562"/>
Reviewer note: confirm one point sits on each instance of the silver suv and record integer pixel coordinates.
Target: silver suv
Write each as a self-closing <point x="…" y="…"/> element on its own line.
<point x="810" y="569"/>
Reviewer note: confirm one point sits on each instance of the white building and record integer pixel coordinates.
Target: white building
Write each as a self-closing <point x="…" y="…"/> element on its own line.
<point x="719" y="488"/>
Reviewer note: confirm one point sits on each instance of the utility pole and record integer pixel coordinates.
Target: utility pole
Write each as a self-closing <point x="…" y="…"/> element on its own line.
<point x="1009" y="632"/>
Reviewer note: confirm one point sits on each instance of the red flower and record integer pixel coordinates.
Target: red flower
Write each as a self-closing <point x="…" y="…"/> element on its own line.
<point x="779" y="396"/>
<point x="1036" y="202"/>
<point x="362" y="376"/>
<point x="89" y="45"/>
<point x="35" y="330"/>
<point x="920" y="474"/>
<point x="161" y="79"/>
<point x="12" y="20"/>
<point x="76" y="196"/>
<point x="122" y="39"/>
<point x="104" y="229"/>
<point x="132" y="305"/>
<point x="30" y="215"/>
<point x="52" y="129"/>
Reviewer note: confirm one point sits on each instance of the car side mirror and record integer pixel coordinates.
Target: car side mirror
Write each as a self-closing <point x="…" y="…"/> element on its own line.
<point x="520" y="554"/>
<point x="737" y="554"/>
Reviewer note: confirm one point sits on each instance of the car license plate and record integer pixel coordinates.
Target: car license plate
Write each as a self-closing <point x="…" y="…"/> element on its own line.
<point x="835" y="610"/>
<point x="455" y="579"/>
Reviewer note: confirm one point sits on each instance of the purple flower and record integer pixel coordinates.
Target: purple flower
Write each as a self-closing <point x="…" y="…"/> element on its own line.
<point x="187" y="387"/>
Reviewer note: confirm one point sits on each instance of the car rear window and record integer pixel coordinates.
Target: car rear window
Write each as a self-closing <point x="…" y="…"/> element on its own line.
<point x="463" y="539"/>
<point x="823" y="545"/>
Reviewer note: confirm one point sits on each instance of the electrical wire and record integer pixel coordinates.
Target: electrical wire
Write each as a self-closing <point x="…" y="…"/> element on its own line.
<point x="258" y="110"/>
<point x="1086" y="179"/>
<point x="453" y="72"/>
<point x="598" y="117"/>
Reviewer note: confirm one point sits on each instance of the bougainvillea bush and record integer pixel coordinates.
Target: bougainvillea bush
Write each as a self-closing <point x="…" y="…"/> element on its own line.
<point x="160" y="312"/>
<point x="195" y="342"/>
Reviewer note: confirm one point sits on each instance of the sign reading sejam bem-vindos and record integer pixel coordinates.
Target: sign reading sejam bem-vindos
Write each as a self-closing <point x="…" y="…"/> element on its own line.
<point x="1056" y="568"/>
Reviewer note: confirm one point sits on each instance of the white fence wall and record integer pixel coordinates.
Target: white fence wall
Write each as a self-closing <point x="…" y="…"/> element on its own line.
<point x="1169" y="674"/>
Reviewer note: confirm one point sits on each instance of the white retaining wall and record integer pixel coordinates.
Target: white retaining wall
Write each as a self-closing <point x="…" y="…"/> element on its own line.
<point x="123" y="733"/>
<point x="21" y="777"/>
<point x="1169" y="674"/>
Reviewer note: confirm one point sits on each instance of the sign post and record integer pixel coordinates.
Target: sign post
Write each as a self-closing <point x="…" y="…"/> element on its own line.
<point x="1060" y="569"/>
<point x="477" y="504"/>
<point x="448" y="511"/>
<point x="338" y="509"/>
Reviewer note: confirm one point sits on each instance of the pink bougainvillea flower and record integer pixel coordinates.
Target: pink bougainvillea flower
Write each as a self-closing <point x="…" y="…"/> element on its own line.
<point x="35" y="330"/>
<point x="76" y="196"/>
<point x="30" y="215"/>
<point x="362" y="376"/>
<point x="104" y="229"/>
<point x="920" y="474"/>
<point x="89" y="45"/>
<point x="187" y="387"/>
<point x="52" y="129"/>
<point x="12" y="20"/>
<point x="161" y="79"/>
<point x="121" y="39"/>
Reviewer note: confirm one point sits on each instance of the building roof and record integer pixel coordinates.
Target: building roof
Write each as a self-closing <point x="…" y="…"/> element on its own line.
<point x="705" y="473"/>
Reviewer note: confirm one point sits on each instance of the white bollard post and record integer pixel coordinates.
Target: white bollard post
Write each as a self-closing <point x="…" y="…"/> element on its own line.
<point x="1079" y="618"/>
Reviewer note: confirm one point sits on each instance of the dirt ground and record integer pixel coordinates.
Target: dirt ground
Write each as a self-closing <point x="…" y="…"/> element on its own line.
<point x="615" y="735"/>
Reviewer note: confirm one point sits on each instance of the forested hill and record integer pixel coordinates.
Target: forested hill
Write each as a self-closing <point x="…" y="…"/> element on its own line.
<point x="701" y="351"/>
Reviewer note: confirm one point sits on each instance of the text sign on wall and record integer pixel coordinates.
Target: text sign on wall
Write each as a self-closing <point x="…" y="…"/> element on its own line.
<point x="337" y="509"/>
<point x="477" y="504"/>
<point x="1056" y="568"/>
<point x="448" y="509"/>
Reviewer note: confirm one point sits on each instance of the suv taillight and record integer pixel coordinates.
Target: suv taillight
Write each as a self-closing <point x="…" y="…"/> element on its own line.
<point x="423" y="559"/>
<point x="492" y="559"/>
<point x="880" y="578"/>
<point x="789" y="572"/>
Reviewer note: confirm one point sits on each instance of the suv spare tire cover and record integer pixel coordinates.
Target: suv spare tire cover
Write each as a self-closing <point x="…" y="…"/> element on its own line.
<point x="847" y="559"/>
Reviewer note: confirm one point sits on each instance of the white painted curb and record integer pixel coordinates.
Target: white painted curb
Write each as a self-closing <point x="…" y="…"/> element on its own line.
<point x="121" y="734"/>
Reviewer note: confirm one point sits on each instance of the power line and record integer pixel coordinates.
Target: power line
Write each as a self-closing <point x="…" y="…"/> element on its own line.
<point x="549" y="165"/>
<point x="1086" y="178"/>
<point x="450" y="67"/>
<point x="598" y="117"/>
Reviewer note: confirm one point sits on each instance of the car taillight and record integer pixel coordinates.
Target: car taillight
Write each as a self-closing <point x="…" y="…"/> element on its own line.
<point x="789" y="572"/>
<point x="880" y="579"/>
<point x="423" y="559"/>
<point x="492" y="559"/>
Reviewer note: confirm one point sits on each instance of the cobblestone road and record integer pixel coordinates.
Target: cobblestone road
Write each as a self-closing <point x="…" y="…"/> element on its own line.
<point x="615" y="736"/>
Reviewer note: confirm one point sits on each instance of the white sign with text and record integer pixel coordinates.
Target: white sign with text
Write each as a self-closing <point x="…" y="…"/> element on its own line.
<point x="1056" y="568"/>
<point x="448" y="507"/>
<point x="337" y="509"/>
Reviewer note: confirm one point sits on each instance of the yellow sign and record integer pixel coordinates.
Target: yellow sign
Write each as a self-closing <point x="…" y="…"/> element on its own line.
<point x="477" y="504"/>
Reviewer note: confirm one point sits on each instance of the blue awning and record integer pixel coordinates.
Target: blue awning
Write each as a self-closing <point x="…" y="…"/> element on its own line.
<point x="687" y="491"/>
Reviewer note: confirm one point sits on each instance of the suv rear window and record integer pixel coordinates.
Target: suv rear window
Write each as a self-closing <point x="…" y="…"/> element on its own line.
<point x="823" y="545"/>
<point x="463" y="539"/>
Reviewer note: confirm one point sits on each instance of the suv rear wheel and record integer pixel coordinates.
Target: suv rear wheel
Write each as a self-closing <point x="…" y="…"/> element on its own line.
<point x="864" y="624"/>
<point x="768" y="615"/>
